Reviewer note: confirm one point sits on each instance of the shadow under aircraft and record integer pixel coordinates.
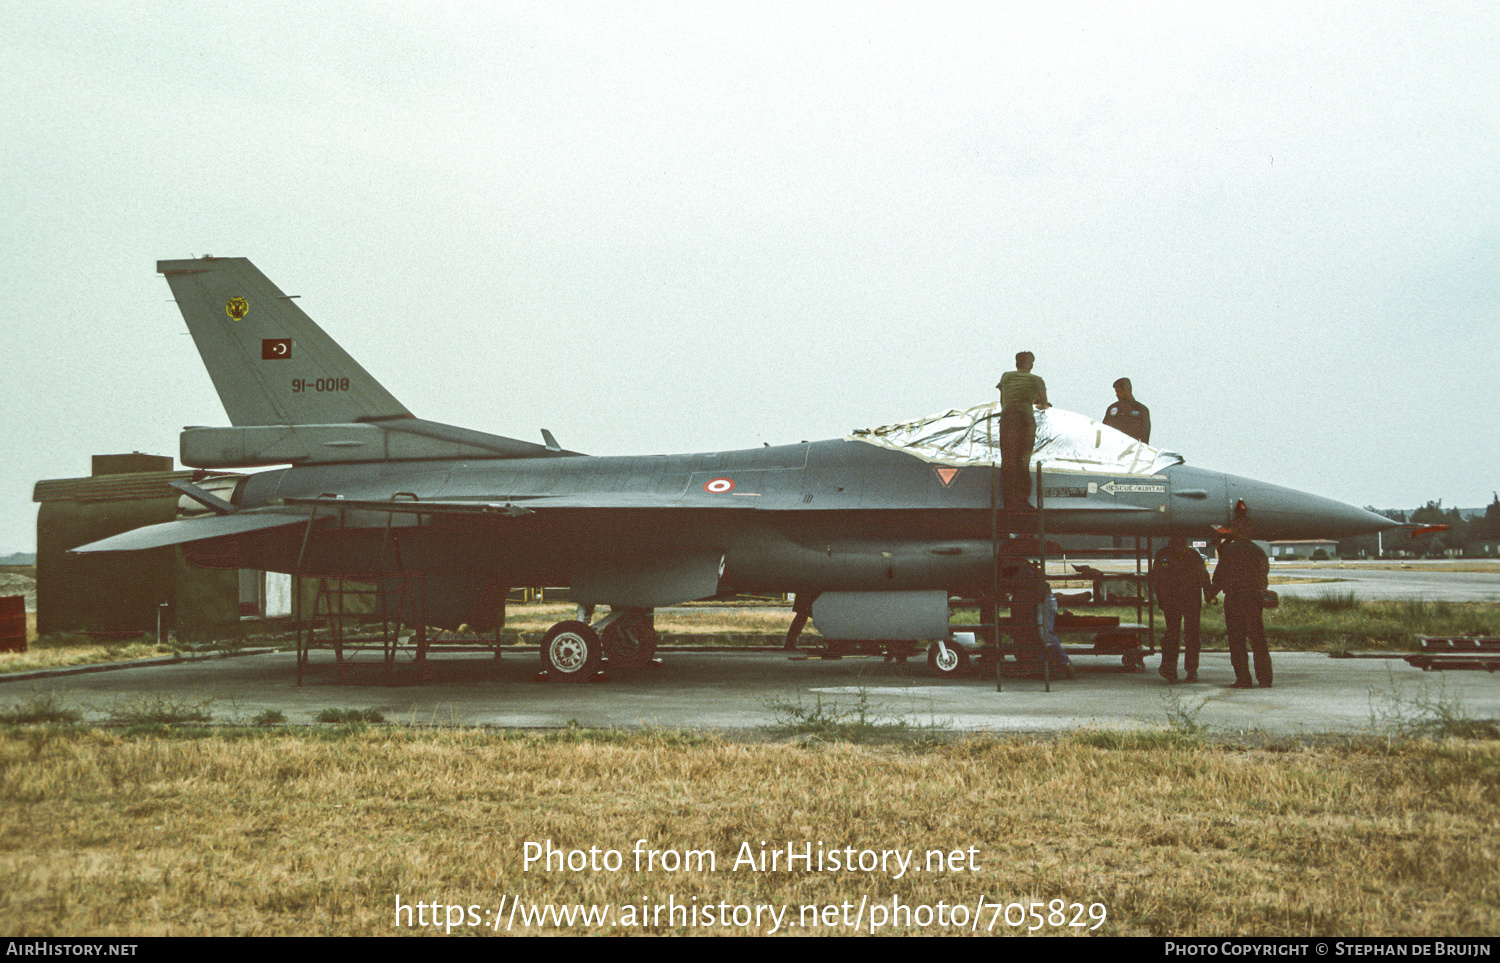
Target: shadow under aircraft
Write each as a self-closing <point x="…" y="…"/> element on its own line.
<point x="884" y="524"/>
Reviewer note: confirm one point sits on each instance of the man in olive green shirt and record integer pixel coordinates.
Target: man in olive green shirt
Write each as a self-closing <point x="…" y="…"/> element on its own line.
<point x="1020" y="392"/>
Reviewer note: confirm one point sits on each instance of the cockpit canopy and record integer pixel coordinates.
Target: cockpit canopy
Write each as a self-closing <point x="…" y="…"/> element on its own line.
<point x="1065" y="441"/>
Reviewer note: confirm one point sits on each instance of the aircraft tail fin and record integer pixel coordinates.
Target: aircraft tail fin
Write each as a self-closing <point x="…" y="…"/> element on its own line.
<point x="271" y="364"/>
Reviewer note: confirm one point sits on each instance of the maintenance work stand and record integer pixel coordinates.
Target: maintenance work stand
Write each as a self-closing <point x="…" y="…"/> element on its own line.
<point x="1020" y="584"/>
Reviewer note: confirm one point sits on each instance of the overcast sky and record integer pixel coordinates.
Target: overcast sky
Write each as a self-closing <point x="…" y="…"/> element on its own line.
<point x="690" y="227"/>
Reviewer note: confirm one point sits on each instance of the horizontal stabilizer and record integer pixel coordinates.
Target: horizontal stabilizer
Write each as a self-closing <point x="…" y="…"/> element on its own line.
<point x="186" y="530"/>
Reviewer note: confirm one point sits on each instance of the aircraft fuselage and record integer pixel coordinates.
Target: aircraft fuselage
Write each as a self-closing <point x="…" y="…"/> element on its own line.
<point x="824" y="516"/>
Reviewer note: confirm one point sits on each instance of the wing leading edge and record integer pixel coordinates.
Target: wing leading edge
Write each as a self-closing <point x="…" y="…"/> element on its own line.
<point x="186" y="530"/>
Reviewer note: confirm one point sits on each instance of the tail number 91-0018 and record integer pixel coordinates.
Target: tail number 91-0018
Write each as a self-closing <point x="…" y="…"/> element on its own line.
<point x="322" y="384"/>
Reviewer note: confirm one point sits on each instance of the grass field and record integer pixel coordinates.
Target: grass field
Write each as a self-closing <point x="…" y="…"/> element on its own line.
<point x="157" y="824"/>
<point x="1334" y="622"/>
<point x="65" y="649"/>
<point x="1338" y="622"/>
<point x="161" y="830"/>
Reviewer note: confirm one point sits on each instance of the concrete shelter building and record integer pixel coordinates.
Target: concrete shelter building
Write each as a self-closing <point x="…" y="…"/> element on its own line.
<point x="125" y="593"/>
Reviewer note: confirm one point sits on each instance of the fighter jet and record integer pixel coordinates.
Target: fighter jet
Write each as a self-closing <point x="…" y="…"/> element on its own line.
<point x="880" y="526"/>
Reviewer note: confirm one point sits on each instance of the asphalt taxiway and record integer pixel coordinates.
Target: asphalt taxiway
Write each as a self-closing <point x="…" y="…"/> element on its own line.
<point x="1417" y="581"/>
<point x="751" y="692"/>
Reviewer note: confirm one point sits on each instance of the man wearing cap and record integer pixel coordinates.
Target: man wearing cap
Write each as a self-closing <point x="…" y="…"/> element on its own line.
<point x="1179" y="579"/>
<point x="1129" y="415"/>
<point x="1020" y="392"/>
<point x="1242" y="575"/>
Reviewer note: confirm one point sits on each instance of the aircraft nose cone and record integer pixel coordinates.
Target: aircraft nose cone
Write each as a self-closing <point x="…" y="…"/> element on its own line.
<point x="1285" y="513"/>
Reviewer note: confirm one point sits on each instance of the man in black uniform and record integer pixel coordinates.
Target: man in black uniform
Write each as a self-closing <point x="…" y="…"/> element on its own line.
<point x="1129" y="415"/>
<point x="1020" y="393"/>
<point x="1179" y="578"/>
<point x="1242" y="575"/>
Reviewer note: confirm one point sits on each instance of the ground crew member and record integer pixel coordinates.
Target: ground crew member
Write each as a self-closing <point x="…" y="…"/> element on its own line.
<point x="1046" y="616"/>
<point x="1242" y="575"/>
<point x="801" y="610"/>
<point x="1179" y="579"/>
<point x="1020" y="393"/>
<point x="1129" y="415"/>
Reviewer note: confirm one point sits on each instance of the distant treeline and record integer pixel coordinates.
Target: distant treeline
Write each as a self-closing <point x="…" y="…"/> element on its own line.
<point x="1478" y="536"/>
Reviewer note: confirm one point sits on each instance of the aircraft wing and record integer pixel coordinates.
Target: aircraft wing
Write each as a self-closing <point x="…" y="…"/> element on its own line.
<point x="196" y="529"/>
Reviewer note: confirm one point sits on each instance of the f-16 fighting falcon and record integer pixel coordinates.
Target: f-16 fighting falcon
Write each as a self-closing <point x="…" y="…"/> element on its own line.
<point x="879" y="526"/>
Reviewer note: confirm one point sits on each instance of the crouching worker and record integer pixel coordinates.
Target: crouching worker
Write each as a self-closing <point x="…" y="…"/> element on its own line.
<point x="1046" y="615"/>
<point x="1179" y="579"/>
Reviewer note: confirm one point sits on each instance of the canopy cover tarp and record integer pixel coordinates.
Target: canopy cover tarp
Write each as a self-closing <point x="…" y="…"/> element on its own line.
<point x="1065" y="441"/>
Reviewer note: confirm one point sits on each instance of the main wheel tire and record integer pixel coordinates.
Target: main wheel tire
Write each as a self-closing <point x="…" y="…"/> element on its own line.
<point x="571" y="651"/>
<point x="630" y="643"/>
<point x="947" y="661"/>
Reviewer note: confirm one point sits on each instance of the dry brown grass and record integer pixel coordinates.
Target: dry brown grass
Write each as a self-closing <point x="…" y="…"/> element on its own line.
<point x="295" y="833"/>
<point x="64" y="649"/>
<point x="693" y="624"/>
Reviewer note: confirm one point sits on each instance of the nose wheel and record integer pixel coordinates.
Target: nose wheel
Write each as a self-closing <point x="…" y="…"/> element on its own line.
<point x="948" y="661"/>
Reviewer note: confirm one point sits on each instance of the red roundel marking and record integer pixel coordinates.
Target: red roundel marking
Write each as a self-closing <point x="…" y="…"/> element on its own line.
<point x="719" y="486"/>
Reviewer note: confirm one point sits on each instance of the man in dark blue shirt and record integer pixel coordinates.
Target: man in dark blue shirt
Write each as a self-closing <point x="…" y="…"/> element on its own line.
<point x="1129" y="415"/>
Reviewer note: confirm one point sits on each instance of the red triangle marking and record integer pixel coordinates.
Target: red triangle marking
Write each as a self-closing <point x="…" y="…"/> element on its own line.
<point x="946" y="475"/>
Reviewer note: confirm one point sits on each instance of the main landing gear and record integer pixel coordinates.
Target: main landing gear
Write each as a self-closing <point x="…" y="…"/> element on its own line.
<point x="630" y="641"/>
<point x="573" y="651"/>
